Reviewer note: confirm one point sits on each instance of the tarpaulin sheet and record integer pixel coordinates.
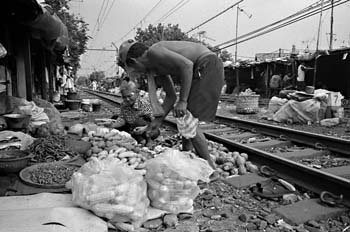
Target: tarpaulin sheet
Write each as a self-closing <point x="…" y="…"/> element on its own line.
<point x="49" y="27"/>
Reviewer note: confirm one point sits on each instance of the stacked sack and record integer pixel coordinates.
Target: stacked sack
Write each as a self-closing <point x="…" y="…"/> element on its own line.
<point x="111" y="190"/>
<point x="172" y="180"/>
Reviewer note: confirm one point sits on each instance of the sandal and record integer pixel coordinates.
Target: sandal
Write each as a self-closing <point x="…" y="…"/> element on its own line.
<point x="270" y="189"/>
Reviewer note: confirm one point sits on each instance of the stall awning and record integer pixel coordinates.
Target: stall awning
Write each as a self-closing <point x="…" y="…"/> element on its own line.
<point x="42" y="22"/>
<point x="50" y="29"/>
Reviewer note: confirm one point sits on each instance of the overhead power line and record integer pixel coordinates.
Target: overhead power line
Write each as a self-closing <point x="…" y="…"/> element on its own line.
<point x="100" y="49"/>
<point x="175" y="8"/>
<point x="106" y="15"/>
<point x="305" y="10"/>
<point x="285" y="24"/>
<point x="133" y="28"/>
<point x="98" y="17"/>
<point x="215" y="16"/>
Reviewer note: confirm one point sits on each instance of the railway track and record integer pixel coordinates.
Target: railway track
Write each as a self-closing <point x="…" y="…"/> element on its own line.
<point x="285" y="150"/>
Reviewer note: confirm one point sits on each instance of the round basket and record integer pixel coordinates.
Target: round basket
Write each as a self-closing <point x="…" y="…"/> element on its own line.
<point x="247" y="104"/>
<point x="26" y="174"/>
<point x="13" y="161"/>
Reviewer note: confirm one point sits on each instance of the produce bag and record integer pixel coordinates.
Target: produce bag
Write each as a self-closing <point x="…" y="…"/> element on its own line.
<point x="187" y="125"/>
<point x="172" y="180"/>
<point x="111" y="190"/>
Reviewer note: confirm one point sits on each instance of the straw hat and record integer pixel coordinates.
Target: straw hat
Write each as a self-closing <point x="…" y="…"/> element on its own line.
<point x="124" y="48"/>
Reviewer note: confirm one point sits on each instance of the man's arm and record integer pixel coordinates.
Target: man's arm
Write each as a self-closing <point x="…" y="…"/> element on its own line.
<point x="178" y="65"/>
<point x="170" y="98"/>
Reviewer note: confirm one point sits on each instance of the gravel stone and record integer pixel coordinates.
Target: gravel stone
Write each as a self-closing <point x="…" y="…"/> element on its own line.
<point x="251" y="227"/>
<point x="271" y="219"/>
<point x="313" y="224"/>
<point x="170" y="220"/>
<point x="153" y="224"/>
<point x="345" y="219"/>
<point x="184" y="216"/>
<point x="243" y="217"/>
<point x="262" y="225"/>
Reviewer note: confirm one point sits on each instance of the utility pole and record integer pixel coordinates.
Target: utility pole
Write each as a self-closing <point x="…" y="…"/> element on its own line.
<point x="116" y="56"/>
<point x="331" y="31"/>
<point x="237" y="72"/>
<point x="319" y="27"/>
<point x="236" y="33"/>
<point x="318" y="39"/>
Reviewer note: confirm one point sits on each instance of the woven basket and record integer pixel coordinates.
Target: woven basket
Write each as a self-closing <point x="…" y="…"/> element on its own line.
<point x="14" y="161"/>
<point x="247" y="104"/>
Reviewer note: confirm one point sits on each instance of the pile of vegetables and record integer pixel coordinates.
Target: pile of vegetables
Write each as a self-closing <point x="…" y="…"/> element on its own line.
<point x="52" y="174"/>
<point x="50" y="149"/>
<point x="111" y="190"/>
<point x="230" y="163"/>
<point x="112" y="143"/>
<point x="247" y="92"/>
<point x="172" y="180"/>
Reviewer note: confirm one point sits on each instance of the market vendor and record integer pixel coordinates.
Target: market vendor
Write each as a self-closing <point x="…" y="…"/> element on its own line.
<point x="135" y="114"/>
<point x="201" y="77"/>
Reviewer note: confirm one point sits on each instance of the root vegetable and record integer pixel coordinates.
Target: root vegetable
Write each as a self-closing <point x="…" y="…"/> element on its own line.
<point x="101" y="197"/>
<point x="244" y="155"/>
<point x="251" y="167"/>
<point x="127" y="154"/>
<point x="240" y="161"/>
<point x="242" y="170"/>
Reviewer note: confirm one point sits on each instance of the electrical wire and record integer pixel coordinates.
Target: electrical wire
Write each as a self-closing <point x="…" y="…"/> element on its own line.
<point x="215" y="16"/>
<point x="305" y="10"/>
<point x="133" y="28"/>
<point x="178" y="3"/>
<point x="285" y="24"/>
<point x="177" y="7"/>
<point x="98" y="17"/>
<point x="106" y="16"/>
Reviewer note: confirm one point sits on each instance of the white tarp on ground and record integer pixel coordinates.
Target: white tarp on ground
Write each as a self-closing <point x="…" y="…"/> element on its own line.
<point x="46" y="212"/>
<point x="312" y="110"/>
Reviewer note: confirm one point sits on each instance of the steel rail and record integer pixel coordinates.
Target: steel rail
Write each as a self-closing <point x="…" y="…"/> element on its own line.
<point x="314" y="140"/>
<point x="311" y="179"/>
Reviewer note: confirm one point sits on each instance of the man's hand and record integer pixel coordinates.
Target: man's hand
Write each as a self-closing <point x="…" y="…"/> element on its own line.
<point x="180" y="109"/>
<point x="154" y="125"/>
<point x="139" y="130"/>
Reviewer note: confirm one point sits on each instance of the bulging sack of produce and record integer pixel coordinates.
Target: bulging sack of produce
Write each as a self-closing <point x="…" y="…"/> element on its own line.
<point x="172" y="180"/>
<point x="187" y="125"/>
<point x="111" y="190"/>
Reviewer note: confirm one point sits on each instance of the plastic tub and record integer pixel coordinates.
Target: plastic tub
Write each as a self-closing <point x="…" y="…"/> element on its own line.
<point x="86" y="106"/>
<point x="73" y="104"/>
<point x="17" y="121"/>
<point x="72" y="96"/>
<point x="96" y="107"/>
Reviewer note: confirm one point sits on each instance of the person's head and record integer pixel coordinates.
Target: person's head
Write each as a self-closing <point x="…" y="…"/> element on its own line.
<point x="129" y="52"/>
<point x="129" y="92"/>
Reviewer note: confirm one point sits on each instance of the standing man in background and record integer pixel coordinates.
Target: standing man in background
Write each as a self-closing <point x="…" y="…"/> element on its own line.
<point x="302" y="68"/>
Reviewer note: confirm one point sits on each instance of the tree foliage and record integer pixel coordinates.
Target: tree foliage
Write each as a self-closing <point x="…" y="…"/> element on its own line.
<point x="225" y="56"/>
<point x="96" y="76"/>
<point x="83" y="81"/>
<point x="155" y="33"/>
<point x="77" y="30"/>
